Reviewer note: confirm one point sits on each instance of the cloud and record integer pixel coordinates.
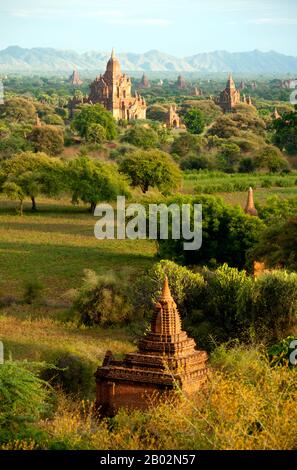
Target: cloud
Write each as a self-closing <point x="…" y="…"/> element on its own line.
<point x="273" y="21"/>
<point x="116" y="16"/>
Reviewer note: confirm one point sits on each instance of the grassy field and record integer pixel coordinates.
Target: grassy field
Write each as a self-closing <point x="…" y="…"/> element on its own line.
<point x="264" y="186"/>
<point x="54" y="246"/>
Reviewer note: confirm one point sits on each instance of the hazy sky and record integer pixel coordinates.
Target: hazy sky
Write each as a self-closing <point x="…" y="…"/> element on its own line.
<point x="179" y="27"/>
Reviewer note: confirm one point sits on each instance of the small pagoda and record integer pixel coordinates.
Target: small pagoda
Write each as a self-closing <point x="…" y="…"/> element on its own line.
<point x="166" y="359"/>
<point x="250" y="205"/>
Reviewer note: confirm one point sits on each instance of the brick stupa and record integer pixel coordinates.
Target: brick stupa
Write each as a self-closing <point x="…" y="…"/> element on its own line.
<point x="166" y="358"/>
<point x="250" y="205"/>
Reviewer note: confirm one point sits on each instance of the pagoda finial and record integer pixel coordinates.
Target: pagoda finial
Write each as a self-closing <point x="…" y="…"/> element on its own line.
<point x="113" y="53"/>
<point x="250" y="205"/>
<point x="166" y="294"/>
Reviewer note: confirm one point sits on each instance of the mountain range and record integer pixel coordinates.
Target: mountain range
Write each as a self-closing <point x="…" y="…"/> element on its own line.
<point x="15" y="59"/>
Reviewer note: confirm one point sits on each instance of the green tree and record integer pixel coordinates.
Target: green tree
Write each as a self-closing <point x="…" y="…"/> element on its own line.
<point x="15" y="192"/>
<point x="48" y="139"/>
<point x="186" y="143"/>
<point x="227" y="232"/>
<point x="141" y="137"/>
<point x="96" y="134"/>
<point x="18" y="109"/>
<point x="228" y="157"/>
<point x="93" y="181"/>
<point x="285" y="136"/>
<point x="94" y="114"/>
<point x="151" y="168"/>
<point x="277" y="245"/>
<point x="29" y="174"/>
<point x="195" y="121"/>
<point x="270" y="158"/>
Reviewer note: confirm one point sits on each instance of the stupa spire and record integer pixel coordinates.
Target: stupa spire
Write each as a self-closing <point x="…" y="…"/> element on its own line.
<point x="166" y="294"/>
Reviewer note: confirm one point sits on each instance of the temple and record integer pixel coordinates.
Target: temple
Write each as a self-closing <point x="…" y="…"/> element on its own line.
<point x="113" y="91"/>
<point x="181" y="83"/>
<point x="74" y="79"/>
<point x="166" y="359"/>
<point x="144" y="82"/>
<point x="250" y="205"/>
<point x="196" y="91"/>
<point x="229" y="97"/>
<point x="173" y="119"/>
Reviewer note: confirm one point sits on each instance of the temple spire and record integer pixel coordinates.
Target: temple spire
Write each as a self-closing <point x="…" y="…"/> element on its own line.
<point x="166" y="294"/>
<point x="250" y="205"/>
<point x="230" y="82"/>
<point x="113" y="53"/>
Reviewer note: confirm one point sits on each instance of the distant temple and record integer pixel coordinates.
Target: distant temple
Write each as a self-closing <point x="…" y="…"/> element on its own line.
<point x="166" y="358"/>
<point x="181" y="83"/>
<point x="196" y="91"/>
<point x="173" y="119"/>
<point x="113" y="91"/>
<point x="144" y="82"/>
<point x="287" y="84"/>
<point x="230" y="97"/>
<point x="241" y="86"/>
<point x="74" y="78"/>
<point x="247" y="100"/>
<point x="250" y="205"/>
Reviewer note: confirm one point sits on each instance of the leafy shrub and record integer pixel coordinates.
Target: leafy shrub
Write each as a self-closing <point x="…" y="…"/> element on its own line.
<point x="23" y="396"/>
<point x="274" y="302"/>
<point x="141" y="137"/>
<point x="224" y="303"/>
<point x="100" y="301"/>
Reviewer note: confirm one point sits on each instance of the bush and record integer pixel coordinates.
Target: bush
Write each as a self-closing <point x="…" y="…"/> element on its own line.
<point x="100" y="301"/>
<point x="94" y="114"/>
<point x="48" y="139"/>
<point x="23" y="397"/>
<point x="223" y="303"/>
<point x="186" y="143"/>
<point x="274" y="303"/>
<point x="141" y="137"/>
